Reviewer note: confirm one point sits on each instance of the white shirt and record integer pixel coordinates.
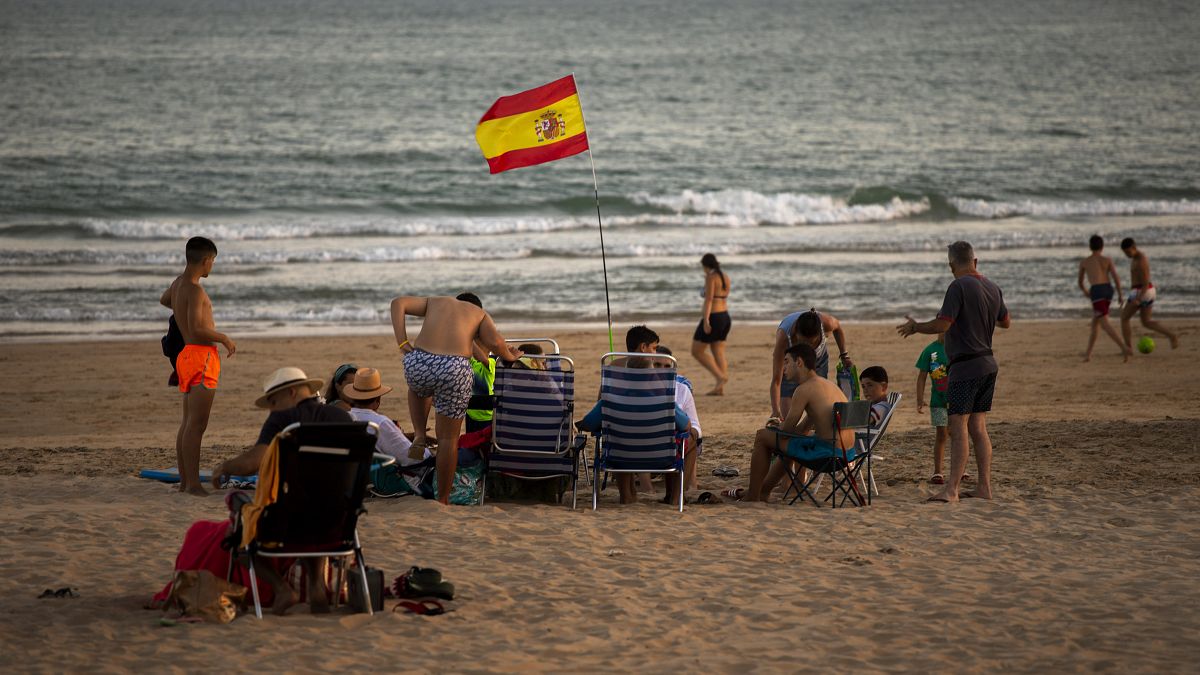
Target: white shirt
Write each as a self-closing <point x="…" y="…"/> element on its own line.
<point x="391" y="440"/>
<point x="687" y="403"/>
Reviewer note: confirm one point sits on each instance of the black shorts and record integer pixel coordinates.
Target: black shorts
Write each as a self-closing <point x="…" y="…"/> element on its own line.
<point x="964" y="397"/>
<point x="720" y="323"/>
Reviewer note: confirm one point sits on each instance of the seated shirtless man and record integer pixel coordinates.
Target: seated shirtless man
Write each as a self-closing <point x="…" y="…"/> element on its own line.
<point x="437" y="365"/>
<point x="811" y="409"/>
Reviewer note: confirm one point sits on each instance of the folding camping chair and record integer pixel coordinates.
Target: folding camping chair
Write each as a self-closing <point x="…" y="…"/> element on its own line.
<point x="637" y="430"/>
<point x="532" y="428"/>
<point x="323" y="468"/>
<point x="865" y="443"/>
<point x="841" y="466"/>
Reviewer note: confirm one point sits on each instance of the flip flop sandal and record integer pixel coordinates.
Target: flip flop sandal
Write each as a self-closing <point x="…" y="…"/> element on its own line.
<point x="734" y="493"/>
<point x="708" y="498"/>
<point x="938" y="479"/>
<point x="65" y="592"/>
<point x="421" y="582"/>
<point x="422" y="607"/>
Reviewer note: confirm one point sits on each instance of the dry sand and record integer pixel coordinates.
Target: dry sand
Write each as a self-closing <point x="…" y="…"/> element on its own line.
<point x="1087" y="560"/>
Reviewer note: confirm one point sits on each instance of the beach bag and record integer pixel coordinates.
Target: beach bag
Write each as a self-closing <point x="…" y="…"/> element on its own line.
<point x="201" y="593"/>
<point x="847" y="381"/>
<point x="396" y="481"/>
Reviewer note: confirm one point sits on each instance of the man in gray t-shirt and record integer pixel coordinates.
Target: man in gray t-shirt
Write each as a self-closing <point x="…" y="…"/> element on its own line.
<point x="971" y="310"/>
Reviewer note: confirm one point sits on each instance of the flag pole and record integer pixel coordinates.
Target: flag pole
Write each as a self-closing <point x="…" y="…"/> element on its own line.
<point x="599" y="221"/>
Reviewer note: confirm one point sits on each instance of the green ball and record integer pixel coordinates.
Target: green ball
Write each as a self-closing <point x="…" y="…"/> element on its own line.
<point x="1146" y="345"/>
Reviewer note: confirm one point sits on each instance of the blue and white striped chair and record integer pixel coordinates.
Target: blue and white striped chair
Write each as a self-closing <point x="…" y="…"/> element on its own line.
<point x="532" y="430"/>
<point x="637" y="431"/>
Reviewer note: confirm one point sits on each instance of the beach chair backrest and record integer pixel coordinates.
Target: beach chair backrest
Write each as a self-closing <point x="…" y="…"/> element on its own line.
<point x="637" y="406"/>
<point x="323" y="471"/>
<point x="870" y="439"/>
<point x="534" y="407"/>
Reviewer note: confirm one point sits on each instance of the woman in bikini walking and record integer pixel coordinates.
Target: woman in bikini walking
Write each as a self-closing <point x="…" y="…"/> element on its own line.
<point x="714" y="325"/>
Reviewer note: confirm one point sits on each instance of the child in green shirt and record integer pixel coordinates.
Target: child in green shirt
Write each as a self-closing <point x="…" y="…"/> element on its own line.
<point x="934" y="365"/>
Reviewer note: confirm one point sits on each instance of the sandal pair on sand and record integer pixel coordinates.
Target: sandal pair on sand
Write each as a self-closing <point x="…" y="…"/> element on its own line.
<point x="725" y="471"/>
<point x="423" y="584"/>
<point x="939" y="479"/>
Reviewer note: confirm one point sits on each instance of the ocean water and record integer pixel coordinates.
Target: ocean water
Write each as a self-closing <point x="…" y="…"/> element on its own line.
<point x="826" y="151"/>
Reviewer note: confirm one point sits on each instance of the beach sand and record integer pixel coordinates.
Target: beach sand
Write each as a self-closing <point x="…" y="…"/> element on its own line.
<point x="1087" y="560"/>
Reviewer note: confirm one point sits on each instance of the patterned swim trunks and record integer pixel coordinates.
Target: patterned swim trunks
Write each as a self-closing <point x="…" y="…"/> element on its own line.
<point x="964" y="397"/>
<point x="447" y="379"/>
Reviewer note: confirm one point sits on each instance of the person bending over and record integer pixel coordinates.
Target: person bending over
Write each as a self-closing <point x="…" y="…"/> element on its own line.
<point x="811" y="328"/>
<point x="437" y="366"/>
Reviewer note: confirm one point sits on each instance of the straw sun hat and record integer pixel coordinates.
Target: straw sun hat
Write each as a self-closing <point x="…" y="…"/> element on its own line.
<point x="368" y="384"/>
<point x="282" y="379"/>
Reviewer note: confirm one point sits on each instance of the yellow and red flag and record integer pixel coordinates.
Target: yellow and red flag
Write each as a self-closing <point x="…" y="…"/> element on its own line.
<point x="532" y="127"/>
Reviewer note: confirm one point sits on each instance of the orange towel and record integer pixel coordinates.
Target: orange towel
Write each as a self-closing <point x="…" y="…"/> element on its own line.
<point x="265" y="493"/>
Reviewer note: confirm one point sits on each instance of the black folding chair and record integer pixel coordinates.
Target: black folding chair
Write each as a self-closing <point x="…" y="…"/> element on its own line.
<point x="323" y="471"/>
<point x="840" y="466"/>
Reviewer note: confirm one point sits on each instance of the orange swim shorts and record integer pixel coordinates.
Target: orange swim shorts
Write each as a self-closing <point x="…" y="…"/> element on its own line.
<point x="198" y="365"/>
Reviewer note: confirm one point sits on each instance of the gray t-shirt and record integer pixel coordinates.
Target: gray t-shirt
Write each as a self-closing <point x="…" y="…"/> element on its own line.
<point x="973" y="305"/>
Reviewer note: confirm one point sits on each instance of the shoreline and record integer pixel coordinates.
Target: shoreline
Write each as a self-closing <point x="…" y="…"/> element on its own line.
<point x="520" y="328"/>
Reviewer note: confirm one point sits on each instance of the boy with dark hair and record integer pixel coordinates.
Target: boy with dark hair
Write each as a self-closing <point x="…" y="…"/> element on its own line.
<point x="812" y="328"/>
<point x="1100" y="271"/>
<point x="199" y="363"/>
<point x="811" y="410"/>
<point x="641" y="339"/>
<point x="1141" y="300"/>
<point x="874" y="381"/>
<point x="934" y="366"/>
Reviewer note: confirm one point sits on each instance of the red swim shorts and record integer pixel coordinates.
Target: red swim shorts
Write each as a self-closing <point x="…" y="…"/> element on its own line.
<point x="198" y="365"/>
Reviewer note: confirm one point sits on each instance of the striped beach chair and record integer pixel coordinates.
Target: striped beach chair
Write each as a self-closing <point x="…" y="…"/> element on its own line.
<point x="532" y="430"/>
<point x="637" y="407"/>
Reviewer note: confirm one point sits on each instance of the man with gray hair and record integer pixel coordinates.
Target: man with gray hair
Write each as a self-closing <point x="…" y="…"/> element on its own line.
<point x="971" y="310"/>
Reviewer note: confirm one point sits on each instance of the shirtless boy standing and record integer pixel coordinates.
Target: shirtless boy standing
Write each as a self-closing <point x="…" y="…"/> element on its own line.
<point x="437" y="365"/>
<point x="811" y="409"/>
<point x="199" y="364"/>
<point x="1100" y="271"/>
<point x="1141" y="298"/>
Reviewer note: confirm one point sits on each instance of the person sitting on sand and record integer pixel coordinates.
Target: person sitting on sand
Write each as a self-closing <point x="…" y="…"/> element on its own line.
<point x="343" y="376"/>
<point x="291" y="396"/>
<point x="811" y="410"/>
<point x="811" y="328"/>
<point x="365" y="394"/>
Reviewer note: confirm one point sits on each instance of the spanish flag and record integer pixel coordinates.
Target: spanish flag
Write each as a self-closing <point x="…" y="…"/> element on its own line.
<point x="533" y="127"/>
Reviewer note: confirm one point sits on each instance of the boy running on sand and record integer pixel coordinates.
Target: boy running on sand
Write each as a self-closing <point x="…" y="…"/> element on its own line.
<point x="199" y="364"/>
<point x="1141" y="299"/>
<point x="1099" y="270"/>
